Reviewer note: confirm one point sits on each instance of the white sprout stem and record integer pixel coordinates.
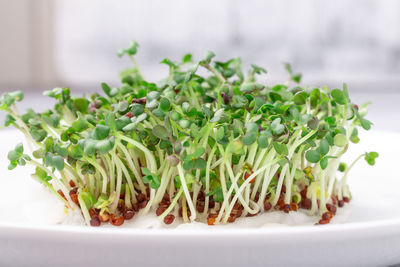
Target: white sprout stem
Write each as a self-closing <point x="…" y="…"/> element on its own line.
<point x="111" y="170"/>
<point x="260" y="158"/>
<point x="314" y="203"/>
<point x="127" y="177"/>
<point x="102" y="172"/>
<point x="267" y="180"/>
<point x="164" y="183"/>
<point x="259" y="179"/>
<point x="186" y="191"/>
<point x="332" y="169"/>
<point x="114" y="205"/>
<point x="234" y="186"/>
<point x="165" y="179"/>
<point x="322" y="199"/>
<point x="222" y="170"/>
<point x="133" y="168"/>
<point x="98" y="184"/>
<point x="279" y="186"/>
<point x="184" y="210"/>
<point x="128" y="202"/>
<point x="207" y="189"/>
<point x="91" y="184"/>
<point x="241" y="160"/>
<point x="224" y="204"/>
<point x="65" y="179"/>
<point x="196" y="188"/>
<point x="343" y="181"/>
<point x="252" y="154"/>
<point x="74" y="174"/>
<point x="150" y="203"/>
<point x="149" y="156"/>
<point x="216" y="163"/>
<point x="289" y="180"/>
<point x="84" y="209"/>
<point x="242" y="187"/>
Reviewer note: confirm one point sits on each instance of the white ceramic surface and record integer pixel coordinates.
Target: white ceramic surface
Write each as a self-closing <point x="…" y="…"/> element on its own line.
<point x="30" y="234"/>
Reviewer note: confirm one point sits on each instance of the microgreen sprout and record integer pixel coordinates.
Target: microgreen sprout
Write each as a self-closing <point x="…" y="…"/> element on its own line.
<point x="209" y="147"/>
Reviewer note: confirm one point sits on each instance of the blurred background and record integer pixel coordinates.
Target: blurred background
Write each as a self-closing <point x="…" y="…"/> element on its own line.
<point x="46" y="44"/>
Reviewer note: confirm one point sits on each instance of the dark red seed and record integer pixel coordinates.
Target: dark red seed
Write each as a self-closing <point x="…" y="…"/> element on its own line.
<point x="267" y="205"/>
<point x="327" y="215"/>
<point x="73" y="190"/>
<point x="331" y="208"/>
<point x="323" y="221"/>
<point x="128" y="214"/>
<point x="281" y="203"/>
<point x="340" y="203"/>
<point x="294" y="206"/>
<point x="92" y="213"/>
<point x="346" y="199"/>
<point x="251" y="215"/>
<point x="247" y="175"/>
<point x="160" y="210"/>
<point x="257" y="197"/>
<point x="201" y="196"/>
<point x="210" y="221"/>
<point x="283" y="190"/>
<point x="121" y="204"/>
<point x="303" y="193"/>
<point x="148" y="193"/>
<point x="135" y="207"/>
<point x="71" y="183"/>
<point x="166" y="197"/>
<point x="143" y="204"/>
<point x="129" y="115"/>
<point x="74" y="198"/>
<point x="238" y="213"/>
<point x="95" y="221"/>
<point x="61" y="194"/>
<point x="141" y="197"/>
<point x="169" y="219"/>
<point x="200" y="206"/>
<point x="237" y="206"/>
<point x="231" y="218"/>
<point x="211" y="203"/>
<point x="164" y="204"/>
<point x="334" y="200"/>
<point x="211" y="218"/>
<point x="287" y="208"/>
<point x="116" y="221"/>
<point x="305" y="203"/>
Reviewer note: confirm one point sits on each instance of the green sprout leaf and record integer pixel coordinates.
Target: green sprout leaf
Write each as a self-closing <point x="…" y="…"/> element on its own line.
<point x="313" y="156"/>
<point x="160" y="132"/>
<point x="370" y="157"/>
<point x="339" y="96"/>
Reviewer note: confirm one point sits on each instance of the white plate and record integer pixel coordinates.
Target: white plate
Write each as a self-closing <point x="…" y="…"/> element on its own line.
<point x="29" y="234"/>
